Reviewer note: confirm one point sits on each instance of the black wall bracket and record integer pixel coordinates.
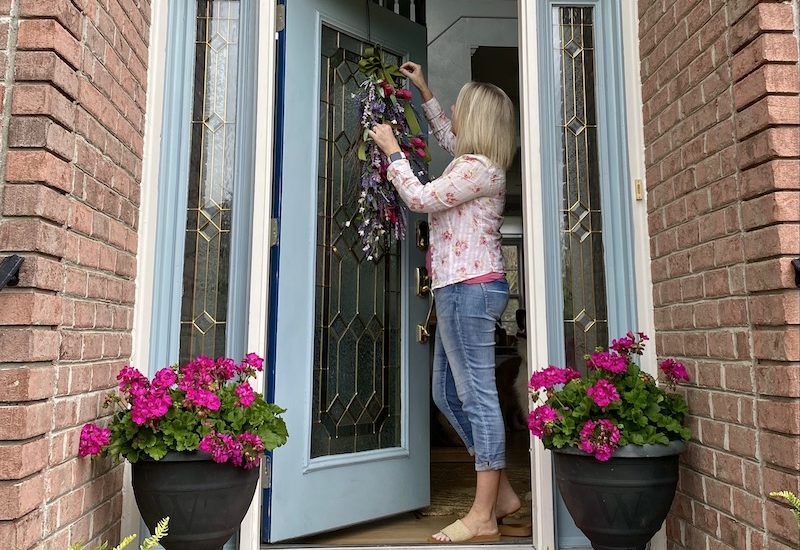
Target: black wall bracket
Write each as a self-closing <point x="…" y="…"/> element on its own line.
<point x="9" y="270"/>
<point x="796" y="266"/>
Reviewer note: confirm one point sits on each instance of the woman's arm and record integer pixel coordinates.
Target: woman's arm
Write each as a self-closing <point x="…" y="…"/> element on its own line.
<point x="468" y="179"/>
<point x="440" y="125"/>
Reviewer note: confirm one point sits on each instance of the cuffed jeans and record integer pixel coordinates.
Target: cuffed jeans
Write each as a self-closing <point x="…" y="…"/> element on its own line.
<point x="463" y="367"/>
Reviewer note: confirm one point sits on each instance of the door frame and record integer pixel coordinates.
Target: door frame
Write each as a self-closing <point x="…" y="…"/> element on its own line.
<point x="541" y="463"/>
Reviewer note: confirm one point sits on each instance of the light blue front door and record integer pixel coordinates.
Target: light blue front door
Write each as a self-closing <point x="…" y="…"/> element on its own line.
<point x="344" y="359"/>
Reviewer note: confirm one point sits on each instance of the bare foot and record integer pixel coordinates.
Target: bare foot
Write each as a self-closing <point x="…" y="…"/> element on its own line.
<point x="507" y="500"/>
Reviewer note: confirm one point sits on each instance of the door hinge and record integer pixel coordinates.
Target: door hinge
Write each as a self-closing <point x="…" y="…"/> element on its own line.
<point x="273" y="231"/>
<point x="266" y="478"/>
<point x="280" y="17"/>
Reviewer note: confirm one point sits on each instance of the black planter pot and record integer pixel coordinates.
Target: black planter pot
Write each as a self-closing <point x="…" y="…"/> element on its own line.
<point x="619" y="504"/>
<point x="205" y="501"/>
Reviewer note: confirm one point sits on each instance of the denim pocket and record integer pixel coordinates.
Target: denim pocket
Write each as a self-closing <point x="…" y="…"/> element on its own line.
<point x="495" y="294"/>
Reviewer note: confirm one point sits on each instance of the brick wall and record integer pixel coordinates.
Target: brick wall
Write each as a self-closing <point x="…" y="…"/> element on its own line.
<point x="722" y="131"/>
<point x="71" y="139"/>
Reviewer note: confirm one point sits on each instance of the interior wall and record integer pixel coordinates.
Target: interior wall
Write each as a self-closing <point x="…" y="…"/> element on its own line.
<point x="456" y="28"/>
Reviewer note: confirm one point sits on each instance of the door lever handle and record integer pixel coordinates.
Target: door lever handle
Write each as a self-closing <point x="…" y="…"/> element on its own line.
<point x="423" y="285"/>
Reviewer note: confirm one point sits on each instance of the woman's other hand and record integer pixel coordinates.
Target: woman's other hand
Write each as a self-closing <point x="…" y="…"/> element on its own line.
<point x="383" y="136"/>
<point x="413" y="72"/>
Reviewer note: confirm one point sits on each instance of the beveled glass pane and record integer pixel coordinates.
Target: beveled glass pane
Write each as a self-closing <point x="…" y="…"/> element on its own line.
<point x="211" y="178"/>
<point x="356" y="401"/>
<point x="582" y="258"/>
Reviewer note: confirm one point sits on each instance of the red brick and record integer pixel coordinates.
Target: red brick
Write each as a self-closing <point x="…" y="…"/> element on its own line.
<point x="779" y="380"/>
<point x="38" y="166"/>
<point x="24" y="421"/>
<point x="41" y="66"/>
<point x="62" y="10"/>
<point x="747" y="507"/>
<point x="781" y="521"/>
<point x="769" y="111"/>
<point x="19" y="460"/>
<point x="780" y="416"/>
<point x="771" y="176"/>
<point x="764" y="17"/>
<point x="43" y="99"/>
<point x="782" y="141"/>
<point x="29" y="308"/>
<point x="766" y="48"/>
<point x="25" y="383"/>
<point x="47" y="34"/>
<point x="782" y="206"/>
<point x="31" y="132"/>
<point x="767" y="79"/>
<point x="20" y="497"/>
<point x="774" y="240"/>
<point x="742" y="441"/>
<point x="780" y="344"/>
<point x="24" y="532"/>
<point x="781" y="450"/>
<point x="35" y="200"/>
<point x="738" y="377"/>
<point x="27" y="344"/>
<point x="771" y="274"/>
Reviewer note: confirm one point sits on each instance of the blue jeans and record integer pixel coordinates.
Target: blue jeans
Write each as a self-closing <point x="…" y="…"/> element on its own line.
<point x="463" y="367"/>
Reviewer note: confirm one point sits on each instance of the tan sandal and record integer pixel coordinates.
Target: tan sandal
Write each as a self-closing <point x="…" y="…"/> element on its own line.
<point x="518" y="530"/>
<point x="457" y="532"/>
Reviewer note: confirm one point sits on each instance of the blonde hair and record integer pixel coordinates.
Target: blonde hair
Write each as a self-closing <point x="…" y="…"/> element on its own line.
<point x="484" y="117"/>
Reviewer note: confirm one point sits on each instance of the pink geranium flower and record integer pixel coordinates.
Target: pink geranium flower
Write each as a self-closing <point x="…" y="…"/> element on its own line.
<point x="603" y="393"/>
<point x="540" y="418"/>
<point x="245" y="393"/>
<point x="599" y="438"/>
<point x="252" y="449"/>
<point x="609" y="361"/>
<point x="92" y="440"/>
<point x="203" y="398"/>
<point x="674" y="371"/>
<point x="552" y="376"/>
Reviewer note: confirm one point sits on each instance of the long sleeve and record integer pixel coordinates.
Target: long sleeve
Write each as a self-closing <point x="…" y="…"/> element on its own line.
<point x="440" y="125"/>
<point x="468" y="178"/>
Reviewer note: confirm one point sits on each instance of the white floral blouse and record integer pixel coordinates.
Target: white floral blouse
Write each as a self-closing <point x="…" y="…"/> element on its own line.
<point x="464" y="207"/>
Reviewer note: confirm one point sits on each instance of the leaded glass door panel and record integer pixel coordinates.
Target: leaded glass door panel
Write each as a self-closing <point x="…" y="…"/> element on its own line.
<point x="587" y="211"/>
<point x="347" y="365"/>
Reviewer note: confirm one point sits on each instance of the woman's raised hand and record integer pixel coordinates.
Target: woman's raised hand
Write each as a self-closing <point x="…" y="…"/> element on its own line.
<point x="413" y="72"/>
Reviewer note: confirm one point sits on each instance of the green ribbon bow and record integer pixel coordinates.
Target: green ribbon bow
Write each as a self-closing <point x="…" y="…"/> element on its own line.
<point x="372" y="65"/>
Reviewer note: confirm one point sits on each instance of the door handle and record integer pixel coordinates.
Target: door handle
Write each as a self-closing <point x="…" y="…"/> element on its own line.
<point x="424" y="330"/>
<point x="423" y="286"/>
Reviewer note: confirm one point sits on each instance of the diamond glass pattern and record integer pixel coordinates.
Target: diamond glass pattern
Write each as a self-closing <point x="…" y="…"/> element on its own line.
<point x="208" y="229"/>
<point x="356" y="394"/>
<point x="582" y="259"/>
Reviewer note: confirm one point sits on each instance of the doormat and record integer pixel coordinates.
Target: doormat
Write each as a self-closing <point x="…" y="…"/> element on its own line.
<point x="453" y="489"/>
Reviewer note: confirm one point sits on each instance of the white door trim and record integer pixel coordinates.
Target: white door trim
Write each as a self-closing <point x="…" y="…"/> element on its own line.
<point x="148" y="209"/>
<point x="258" y="301"/>
<point x="544" y="537"/>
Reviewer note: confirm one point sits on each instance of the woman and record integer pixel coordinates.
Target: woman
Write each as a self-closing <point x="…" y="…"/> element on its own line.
<point x="465" y="208"/>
